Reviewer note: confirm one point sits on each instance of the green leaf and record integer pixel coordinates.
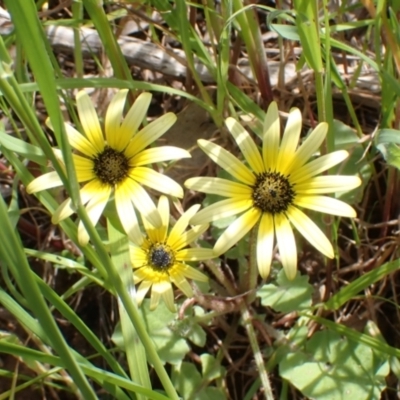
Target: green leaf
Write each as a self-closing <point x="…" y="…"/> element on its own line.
<point x="170" y="346"/>
<point x="191" y="385"/>
<point x="332" y="367"/>
<point x="356" y="164"/>
<point x="189" y="328"/>
<point x="24" y="149"/>
<point x="287" y="296"/>
<point x="211" y="368"/>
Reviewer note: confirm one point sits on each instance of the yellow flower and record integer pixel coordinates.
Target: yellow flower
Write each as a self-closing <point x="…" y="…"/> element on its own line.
<point x="273" y="186"/>
<point x="113" y="163"/>
<point x="159" y="259"/>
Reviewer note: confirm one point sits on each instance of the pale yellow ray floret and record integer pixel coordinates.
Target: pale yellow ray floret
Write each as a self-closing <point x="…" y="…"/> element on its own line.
<point x="160" y="258"/>
<point x="113" y="163"/>
<point x="268" y="189"/>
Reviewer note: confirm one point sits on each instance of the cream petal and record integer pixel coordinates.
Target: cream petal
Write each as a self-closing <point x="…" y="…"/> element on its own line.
<point x="149" y="134"/>
<point x="79" y="142"/>
<point x="167" y="294"/>
<point x="246" y="145"/>
<point x="310" y="231"/>
<point x="318" y="165"/>
<point x="84" y="168"/>
<point x="76" y="140"/>
<point x="290" y="140"/>
<point x="265" y="244"/>
<point x="66" y="208"/>
<point x="222" y="187"/>
<point x="222" y="209"/>
<point x="180" y="281"/>
<point x="155" y="180"/>
<point x="164" y="210"/>
<point x="113" y="121"/>
<point x="327" y="205"/>
<point x="286" y="245"/>
<point x="195" y="254"/>
<point x="328" y="184"/>
<point x="43" y="182"/>
<point x="272" y="135"/>
<point x="158" y="154"/>
<point x="194" y="274"/>
<point x="127" y="215"/>
<point x="189" y="237"/>
<point x="142" y="291"/>
<point x="142" y="201"/>
<point x="94" y="209"/>
<point x="180" y="226"/>
<point x="227" y="161"/>
<point x="162" y="289"/>
<point x="312" y="143"/>
<point x="135" y="116"/>
<point x="89" y="120"/>
<point x="138" y="256"/>
<point x="236" y="230"/>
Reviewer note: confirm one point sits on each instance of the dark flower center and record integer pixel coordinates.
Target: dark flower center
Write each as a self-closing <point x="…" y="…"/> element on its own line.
<point x="111" y="166"/>
<point x="272" y="192"/>
<point x="161" y="257"/>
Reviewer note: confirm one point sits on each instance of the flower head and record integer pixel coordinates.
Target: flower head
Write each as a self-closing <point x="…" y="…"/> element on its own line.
<point x="159" y="259"/>
<point x="272" y="188"/>
<point x="114" y="162"/>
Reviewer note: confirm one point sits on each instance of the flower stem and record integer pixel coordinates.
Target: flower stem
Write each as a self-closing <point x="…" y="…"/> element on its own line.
<point x="247" y="322"/>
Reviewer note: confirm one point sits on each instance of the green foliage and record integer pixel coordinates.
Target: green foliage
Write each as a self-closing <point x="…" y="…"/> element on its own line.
<point x="333" y="367"/>
<point x="387" y="141"/>
<point x="287" y="296"/>
<point x="168" y="333"/>
<point x="194" y="385"/>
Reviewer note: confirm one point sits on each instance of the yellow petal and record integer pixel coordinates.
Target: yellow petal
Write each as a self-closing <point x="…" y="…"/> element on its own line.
<point x="94" y="209"/>
<point x="43" y="182"/>
<point x="236" y="230"/>
<point x="155" y="180"/>
<point x="290" y="141"/>
<point x="158" y="154"/>
<point x="326" y="205"/>
<point x="272" y="135"/>
<point x="142" y="201"/>
<point x="227" y="161"/>
<point x="113" y="121"/>
<point x="180" y="281"/>
<point x="142" y="291"/>
<point x="312" y="143"/>
<point x="318" y="165"/>
<point x="195" y="254"/>
<point x="287" y="245"/>
<point x="134" y="117"/>
<point x="246" y="145"/>
<point x="222" y="187"/>
<point x="127" y="215"/>
<point x="149" y="134"/>
<point x="89" y="120"/>
<point x="189" y="237"/>
<point x="265" y="244"/>
<point x="180" y="226"/>
<point x="310" y="231"/>
<point x="222" y="209"/>
<point x="328" y="184"/>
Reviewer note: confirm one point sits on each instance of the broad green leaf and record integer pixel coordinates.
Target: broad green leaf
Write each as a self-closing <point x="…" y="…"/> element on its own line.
<point x="356" y="164"/>
<point x="170" y="346"/>
<point x="332" y="367"/>
<point x="190" y="384"/>
<point x="22" y="148"/>
<point x="287" y="296"/>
